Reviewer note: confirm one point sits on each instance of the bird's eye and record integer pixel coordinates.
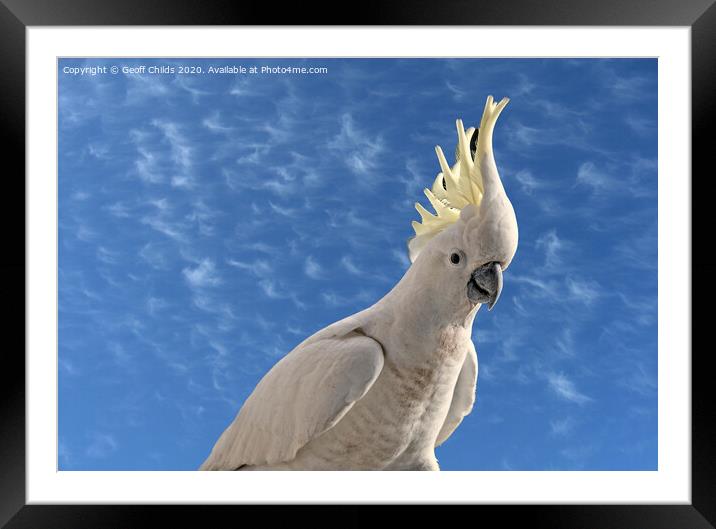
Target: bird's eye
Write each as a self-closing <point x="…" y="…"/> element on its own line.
<point x="456" y="258"/>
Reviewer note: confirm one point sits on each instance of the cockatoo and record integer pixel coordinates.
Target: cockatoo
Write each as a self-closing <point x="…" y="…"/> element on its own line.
<point x="381" y="389"/>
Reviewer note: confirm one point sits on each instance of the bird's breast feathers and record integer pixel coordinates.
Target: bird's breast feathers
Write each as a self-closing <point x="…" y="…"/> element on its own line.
<point x="400" y="417"/>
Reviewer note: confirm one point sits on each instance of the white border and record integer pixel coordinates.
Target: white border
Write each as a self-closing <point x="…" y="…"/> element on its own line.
<point x="670" y="484"/>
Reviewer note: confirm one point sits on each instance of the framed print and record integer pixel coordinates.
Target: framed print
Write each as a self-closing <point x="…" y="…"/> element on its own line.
<point x="201" y="200"/>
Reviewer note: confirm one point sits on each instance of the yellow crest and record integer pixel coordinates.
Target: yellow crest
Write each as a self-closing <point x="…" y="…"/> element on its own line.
<point x="457" y="186"/>
<point x="453" y="189"/>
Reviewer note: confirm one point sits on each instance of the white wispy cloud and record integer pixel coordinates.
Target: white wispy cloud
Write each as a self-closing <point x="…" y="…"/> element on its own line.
<point x="640" y="250"/>
<point x="119" y="210"/>
<point x="343" y="219"/>
<point x="154" y="255"/>
<point x="98" y="151"/>
<point x="416" y="179"/>
<point x="203" y="275"/>
<point x="65" y="454"/>
<point x="211" y="304"/>
<point x="527" y="181"/>
<point x="313" y="269"/>
<point x="119" y="353"/>
<point x="642" y="176"/>
<point x="277" y="180"/>
<point x="542" y="287"/>
<point x="186" y="83"/>
<point x="154" y="305"/>
<point x="561" y="427"/>
<point x="162" y="204"/>
<point x="555" y="109"/>
<point x="637" y="177"/>
<point x="107" y="256"/>
<point x="358" y="151"/>
<point x="636" y="377"/>
<point x="160" y="219"/>
<point x="350" y="266"/>
<point x="142" y="87"/>
<point x="263" y="247"/>
<point x="552" y="246"/>
<point x="281" y="187"/>
<point x="565" y="388"/>
<point x="458" y="94"/>
<point x="578" y="455"/>
<point x="270" y="289"/>
<point x="509" y="348"/>
<point x="147" y="166"/>
<point x="84" y="233"/>
<point x="155" y="163"/>
<point x="525" y="135"/>
<point x="203" y="217"/>
<point x="171" y="229"/>
<point x="180" y="147"/>
<point x="519" y="305"/>
<point x="523" y="139"/>
<point x="241" y="87"/>
<point x="564" y="343"/>
<point x="182" y="181"/>
<point x="252" y="153"/>
<point x="277" y="133"/>
<point x="336" y="300"/>
<point x="109" y="279"/>
<point x="585" y="291"/>
<point x="67" y="365"/>
<point x="640" y="125"/>
<point x="644" y="309"/>
<point x="523" y="87"/>
<point x="273" y="290"/>
<point x="588" y="174"/>
<point x="296" y="331"/>
<point x="259" y="267"/>
<point x="284" y="211"/>
<point x="101" y="445"/>
<point x="213" y="123"/>
<point x="629" y="88"/>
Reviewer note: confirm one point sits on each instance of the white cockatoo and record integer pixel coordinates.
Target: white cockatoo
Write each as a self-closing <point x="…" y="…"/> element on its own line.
<point x="380" y="389"/>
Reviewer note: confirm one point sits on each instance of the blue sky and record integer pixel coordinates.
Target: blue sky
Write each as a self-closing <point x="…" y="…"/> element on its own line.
<point x="209" y="223"/>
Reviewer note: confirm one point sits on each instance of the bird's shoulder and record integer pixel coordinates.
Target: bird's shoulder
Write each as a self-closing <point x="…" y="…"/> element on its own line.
<point x="306" y="393"/>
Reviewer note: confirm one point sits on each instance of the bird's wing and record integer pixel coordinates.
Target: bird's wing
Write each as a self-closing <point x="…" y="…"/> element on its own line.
<point x="463" y="396"/>
<point x="302" y="396"/>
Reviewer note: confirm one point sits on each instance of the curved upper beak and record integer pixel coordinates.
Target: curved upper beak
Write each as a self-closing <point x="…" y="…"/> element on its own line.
<point x="497" y="271"/>
<point x="485" y="285"/>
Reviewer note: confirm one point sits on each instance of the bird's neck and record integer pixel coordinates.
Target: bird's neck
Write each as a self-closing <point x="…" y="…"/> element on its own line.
<point x="416" y="323"/>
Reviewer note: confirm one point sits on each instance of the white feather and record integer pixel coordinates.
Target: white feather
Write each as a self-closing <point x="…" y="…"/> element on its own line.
<point x="463" y="397"/>
<point x="302" y="396"/>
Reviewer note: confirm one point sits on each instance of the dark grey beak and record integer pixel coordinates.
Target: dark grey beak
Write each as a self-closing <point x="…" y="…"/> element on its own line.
<point x="485" y="284"/>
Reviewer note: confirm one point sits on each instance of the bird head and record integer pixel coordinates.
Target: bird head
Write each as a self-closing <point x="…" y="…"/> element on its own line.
<point x="472" y="237"/>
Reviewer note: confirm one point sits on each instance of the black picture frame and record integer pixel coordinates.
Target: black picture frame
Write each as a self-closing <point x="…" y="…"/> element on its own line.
<point x="16" y="15"/>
